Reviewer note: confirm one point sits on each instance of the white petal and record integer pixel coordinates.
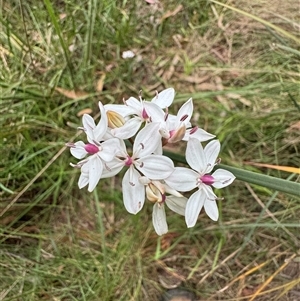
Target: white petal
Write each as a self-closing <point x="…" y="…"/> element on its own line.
<point x="159" y="219"/>
<point x="83" y="180"/>
<point x="193" y="207"/>
<point x="171" y="191"/>
<point x="199" y="134"/>
<point x="186" y="109"/>
<point x="109" y="149"/>
<point x="123" y="110"/>
<point x="135" y="104"/>
<point x="211" y="152"/>
<point x="112" y="168"/>
<point x="159" y="149"/>
<point x="85" y="168"/>
<point x="78" y="151"/>
<point x="89" y="125"/>
<point x="111" y="172"/>
<point x="101" y="128"/>
<point x="95" y="171"/>
<point x="211" y="209"/>
<point x="155" y="113"/>
<point x="165" y="98"/>
<point x="155" y="167"/>
<point x="209" y="192"/>
<point x="147" y="140"/>
<point x="176" y="204"/>
<point x="133" y="191"/>
<point x="183" y="179"/>
<point x="222" y="178"/>
<point x="129" y="129"/>
<point x="195" y="155"/>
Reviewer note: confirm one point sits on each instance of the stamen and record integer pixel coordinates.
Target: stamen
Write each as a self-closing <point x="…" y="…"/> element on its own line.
<point x="193" y="130"/>
<point x="75" y="165"/>
<point x="184" y="117"/>
<point x="96" y="142"/>
<point x="132" y="184"/>
<point x="70" y="144"/>
<point x="107" y="167"/>
<point x="226" y="181"/>
<point x="166" y="114"/>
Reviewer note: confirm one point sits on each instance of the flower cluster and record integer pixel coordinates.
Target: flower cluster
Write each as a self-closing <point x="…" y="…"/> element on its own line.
<point x="150" y="175"/>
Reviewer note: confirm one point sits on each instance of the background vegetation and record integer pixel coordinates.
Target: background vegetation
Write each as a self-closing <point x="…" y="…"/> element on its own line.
<point x="58" y="59"/>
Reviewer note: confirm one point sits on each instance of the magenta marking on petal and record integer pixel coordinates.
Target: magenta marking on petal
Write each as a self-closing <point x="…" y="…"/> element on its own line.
<point x="91" y="148"/>
<point x="207" y="179"/>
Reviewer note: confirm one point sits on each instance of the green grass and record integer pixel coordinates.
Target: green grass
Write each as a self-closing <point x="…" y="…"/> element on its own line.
<point x="241" y="68"/>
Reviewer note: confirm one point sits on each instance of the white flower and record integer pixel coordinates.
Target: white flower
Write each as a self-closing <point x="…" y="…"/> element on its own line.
<point x="142" y="162"/>
<point x="98" y="151"/>
<point x="184" y="179"/>
<point x="176" y="128"/>
<point x="134" y="112"/>
<point x="156" y="192"/>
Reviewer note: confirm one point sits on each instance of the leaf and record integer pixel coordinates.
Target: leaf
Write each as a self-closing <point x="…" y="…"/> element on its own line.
<point x="100" y="83"/>
<point x="278" y="167"/>
<point x="169" y="14"/>
<point x="84" y="111"/>
<point x="72" y="94"/>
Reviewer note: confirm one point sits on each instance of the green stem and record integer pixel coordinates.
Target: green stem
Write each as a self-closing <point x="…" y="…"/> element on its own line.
<point x="264" y="180"/>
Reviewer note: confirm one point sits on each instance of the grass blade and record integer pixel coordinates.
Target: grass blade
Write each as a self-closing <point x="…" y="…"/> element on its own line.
<point x="266" y="23"/>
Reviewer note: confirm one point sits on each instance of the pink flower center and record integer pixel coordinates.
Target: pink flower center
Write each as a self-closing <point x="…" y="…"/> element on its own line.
<point x="91" y="148"/>
<point x="128" y="161"/>
<point x="207" y="179"/>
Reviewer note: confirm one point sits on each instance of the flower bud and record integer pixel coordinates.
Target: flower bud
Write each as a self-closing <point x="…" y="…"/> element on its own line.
<point x="178" y="134"/>
<point x="154" y="194"/>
